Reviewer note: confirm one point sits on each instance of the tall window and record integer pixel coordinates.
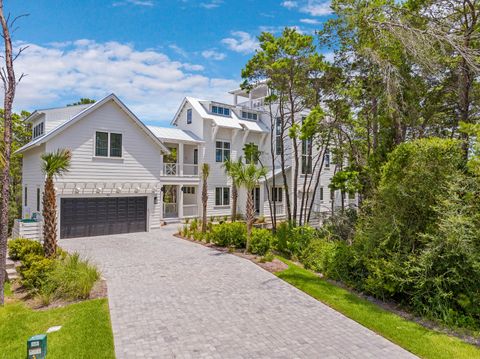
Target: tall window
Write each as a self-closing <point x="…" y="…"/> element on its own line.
<point x="327" y="158"/>
<point x="321" y="193"/>
<point x="222" y="151"/>
<point x="26" y="196"/>
<point x="307" y="156"/>
<point x="189" y="116"/>
<point x="38" y="199"/>
<point x="38" y="130"/>
<point x="222" y="196"/>
<point x="221" y="110"/>
<point x="278" y="136"/>
<point x="108" y="144"/>
<point x="277" y="194"/>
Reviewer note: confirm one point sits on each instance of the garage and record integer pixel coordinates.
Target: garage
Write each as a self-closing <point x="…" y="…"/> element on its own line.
<point x="97" y="216"/>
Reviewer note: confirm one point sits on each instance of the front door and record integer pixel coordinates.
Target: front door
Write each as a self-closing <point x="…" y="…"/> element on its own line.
<point x="170" y="207"/>
<point x="256" y="200"/>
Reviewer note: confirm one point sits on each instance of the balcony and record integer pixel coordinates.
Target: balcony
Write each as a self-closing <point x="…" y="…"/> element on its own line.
<point x="175" y="169"/>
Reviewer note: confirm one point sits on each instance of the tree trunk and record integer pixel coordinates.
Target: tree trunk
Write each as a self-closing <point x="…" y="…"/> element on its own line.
<point x="234" y="201"/>
<point x="9" y="83"/>
<point x="49" y="219"/>
<point x="204" y="205"/>
<point x="250" y="217"/>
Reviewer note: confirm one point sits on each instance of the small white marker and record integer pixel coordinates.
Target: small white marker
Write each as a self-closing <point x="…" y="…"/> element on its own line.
<point x="54" y="329"/>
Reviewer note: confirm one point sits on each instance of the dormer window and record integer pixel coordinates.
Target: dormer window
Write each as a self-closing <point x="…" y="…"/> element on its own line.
<point x="189" y="116"/>
<point x="38" y="130"/>
<point x="249" y="115"/>
<point x="221" y="110"/>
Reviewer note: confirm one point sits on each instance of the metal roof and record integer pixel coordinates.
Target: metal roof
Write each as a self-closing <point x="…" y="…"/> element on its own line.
<point x="174" y="134"/>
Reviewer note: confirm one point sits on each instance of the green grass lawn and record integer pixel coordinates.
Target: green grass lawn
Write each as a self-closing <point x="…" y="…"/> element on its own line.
<point x="86" y="331"/>
<point x="409" y="335"/>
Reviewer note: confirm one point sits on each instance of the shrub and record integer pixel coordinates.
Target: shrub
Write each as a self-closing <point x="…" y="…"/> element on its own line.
<point x="35" y="270"/>
<point x="260" y="241"/>
<point x="73" y="278"/>
<point x="21" y="247"/>
<point x="291" y="241"/>
<point x="229" y="234"/>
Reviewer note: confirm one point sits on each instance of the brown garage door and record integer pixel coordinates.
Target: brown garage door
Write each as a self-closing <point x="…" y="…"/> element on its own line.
<point x="84" y="217"/>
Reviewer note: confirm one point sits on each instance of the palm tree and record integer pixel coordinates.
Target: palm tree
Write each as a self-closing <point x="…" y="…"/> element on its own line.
<point x="232" y="170"/>
<point x="205" y="174"/>
<point x="54" y="164"/>
<point x="249" y="176"/>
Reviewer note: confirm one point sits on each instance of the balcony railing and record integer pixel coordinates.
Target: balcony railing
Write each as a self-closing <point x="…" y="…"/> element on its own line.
<point x="174" y="169"/>
<point x="279" y="208"/>
<point x="190" y="210"/>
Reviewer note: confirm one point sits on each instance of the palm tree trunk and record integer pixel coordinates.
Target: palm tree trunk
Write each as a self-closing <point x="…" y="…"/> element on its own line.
<point x="49" y="219"/>
<point x="204" y="205"/>
<point x="250" y="217"/>
<point x="234" y="201"/>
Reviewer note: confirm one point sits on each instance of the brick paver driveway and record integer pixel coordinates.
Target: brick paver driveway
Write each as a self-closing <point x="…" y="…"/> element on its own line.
<point x="170" y="298"/>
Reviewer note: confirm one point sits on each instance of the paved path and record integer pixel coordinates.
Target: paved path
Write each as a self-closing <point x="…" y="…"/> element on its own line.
<point x="170" y="298"/>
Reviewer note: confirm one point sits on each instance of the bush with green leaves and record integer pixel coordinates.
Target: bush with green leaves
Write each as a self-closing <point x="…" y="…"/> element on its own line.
<point x="34" y="270"/>
<point x="229" y="234"/>
<point x="261" y="241"/>
<point x="20" y="247"/>
<point x="291" y="240"/>
<point x="73" y="278"/>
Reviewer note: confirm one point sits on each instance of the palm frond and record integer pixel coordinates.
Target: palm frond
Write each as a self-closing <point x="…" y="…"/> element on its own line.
<point x="56" y="163"/>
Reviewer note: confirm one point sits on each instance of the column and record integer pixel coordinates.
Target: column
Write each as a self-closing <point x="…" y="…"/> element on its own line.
<point x="180" y="159"/>
<point x="180" y="202"/>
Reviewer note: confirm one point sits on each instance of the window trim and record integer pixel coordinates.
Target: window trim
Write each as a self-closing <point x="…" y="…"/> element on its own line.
<point x="25" y="196"/>
<point x="109" y="144"/>
<point x="277" y="192"/>
<point x="222" y="198"/>
<point x="326" y="158"/>
<point x="278" y="136"/>
<point x="248" y="115"/>
<point x="224" y="150"/>
<point x="189" y="116"/>
<point x="36" y="134"/>
<point x="38" y="199"/>
<point x="223" y="109"/>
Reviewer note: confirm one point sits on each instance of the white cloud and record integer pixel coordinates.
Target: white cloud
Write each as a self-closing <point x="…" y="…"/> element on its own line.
<point x="289" y="4"/>
<point x="213" y="55"/>
<point x="147" y="3"/>
<point x="242" y="42"/>
<point x="317" y="8"/>
<point x="211" y="4"/>
<point x="178" y="50"/>
<point x="149" y="82"/>
<point x="310" y="21"/>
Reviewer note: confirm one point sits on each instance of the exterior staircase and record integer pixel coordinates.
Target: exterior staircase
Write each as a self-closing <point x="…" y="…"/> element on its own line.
<point x="11" y="270"/>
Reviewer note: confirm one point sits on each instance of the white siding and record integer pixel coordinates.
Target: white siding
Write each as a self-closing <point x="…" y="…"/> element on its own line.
<point x="32" y="179"/>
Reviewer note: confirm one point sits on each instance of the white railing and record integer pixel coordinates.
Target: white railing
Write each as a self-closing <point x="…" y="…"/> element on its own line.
<point x="170" y="210"/>
<point x="190" y="210"/>
<point x="170" y="169"/>
<point x="190" y="169"/>
<point x="279" y="208"/>
<point x="253" y="104"/>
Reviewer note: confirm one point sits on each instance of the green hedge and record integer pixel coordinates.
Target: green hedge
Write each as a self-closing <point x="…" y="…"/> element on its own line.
<point x="229" y="234"/>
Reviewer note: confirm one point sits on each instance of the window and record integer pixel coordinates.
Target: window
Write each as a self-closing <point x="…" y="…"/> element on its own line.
<point x="38" y="130"/>
<point x="222" y="151"/>
<point x="108" y="144"/>
<point x="351" y="195"/>
<point x="278" y="136"/>
<point x="195" y="156"/>
<point x="26" y="196"/>
<point x="38" y="199"/>
<point x="189" y="116"/>
<point x="188" y="189"/>
<point x="321" y="193"/>
<point x="307" y="156"/>
<point x="326" y="157"/>
<point x="222" y="196"/>
<point x="249" y="115"/>
<point x="221" y="110"/>
<point x="277" y="194"/>
<point x="115" y="145"/>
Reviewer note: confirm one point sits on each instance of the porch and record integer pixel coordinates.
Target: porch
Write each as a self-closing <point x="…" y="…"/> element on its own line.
<point x="182" y="161"/>
<point x="180" y="201"/>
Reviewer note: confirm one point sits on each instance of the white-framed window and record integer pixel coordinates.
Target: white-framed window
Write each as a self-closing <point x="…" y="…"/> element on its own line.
<point x="219" y="110"/>
<point x="189" y="116"/>
<point x="307" y="156"/>
<point x="278" y="136"/>
<point x="249" y="115"/>
<point x="222" y="196"/>
<point x="108" y="144"/>
<point x="222" y="151"/>
<point x="326" y="160"/>
<point x="38" y="130"/>
<point x="321" y="193"/>
<point x="25" y="194"/>
<point x="277" y="194"/>
<point x="189" y="189"/>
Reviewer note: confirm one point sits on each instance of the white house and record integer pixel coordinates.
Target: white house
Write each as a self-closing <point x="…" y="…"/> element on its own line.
<point x="129" y="177"/>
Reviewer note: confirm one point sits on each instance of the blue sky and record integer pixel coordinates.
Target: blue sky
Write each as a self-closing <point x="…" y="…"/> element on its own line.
<point x="151" y="53"/>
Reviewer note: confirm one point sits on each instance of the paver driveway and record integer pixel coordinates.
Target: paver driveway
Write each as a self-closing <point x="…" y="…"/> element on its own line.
<point x="170" y="298"/>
